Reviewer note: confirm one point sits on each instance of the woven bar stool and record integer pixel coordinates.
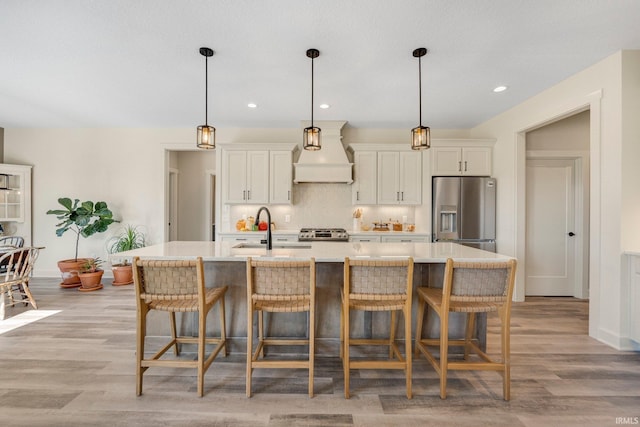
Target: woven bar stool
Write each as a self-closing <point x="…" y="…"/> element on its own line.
<point x="469" y="287"/>
<point x="377" y="285"/>
<point x="176" y="286"/>
<point x="280" y="287"/>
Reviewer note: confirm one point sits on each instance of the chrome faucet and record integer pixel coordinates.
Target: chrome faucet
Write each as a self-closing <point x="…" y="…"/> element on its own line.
<point x="264" y="208"/>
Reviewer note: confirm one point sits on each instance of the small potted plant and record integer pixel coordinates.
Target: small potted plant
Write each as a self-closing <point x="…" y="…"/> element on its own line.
<point x="131" y="237"/>
<point x="90" y="275"/>
<point x="84" y="219"/>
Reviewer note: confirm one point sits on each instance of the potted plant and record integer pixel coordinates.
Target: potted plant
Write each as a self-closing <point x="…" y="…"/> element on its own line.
<point x="131" y="237"/>
<point x="90" y="275"/>
<point x="84" y="219"/>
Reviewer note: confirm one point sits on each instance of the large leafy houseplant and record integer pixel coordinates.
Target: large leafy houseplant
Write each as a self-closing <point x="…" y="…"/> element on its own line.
<point x="84" y="219"/>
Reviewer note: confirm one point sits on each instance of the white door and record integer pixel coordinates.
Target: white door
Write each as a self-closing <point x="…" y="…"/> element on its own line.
<point x="550" y="221"/>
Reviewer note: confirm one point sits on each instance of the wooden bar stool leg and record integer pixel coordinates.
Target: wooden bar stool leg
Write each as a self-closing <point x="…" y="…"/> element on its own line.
<point x="249" y="346"/>
<point x="506" y="358"/>
<point x="471" y="325"/>
<point x="172" y="322"/>
<point x="444" y="353"/>
<point x="202" y="334"/>
<point x="261" y="330"/>
<point x="342" y="332"/>
<point x="142" y="332"/>
<point x="407" y="343"/>
<point x="347" y="356"/>
<point x="312" y="348"/>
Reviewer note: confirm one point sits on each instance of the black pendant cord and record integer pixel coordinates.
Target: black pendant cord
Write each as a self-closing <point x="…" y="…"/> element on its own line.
<point x="206" y="90"/>
<point x="420" y="86"/>
<point x="311" y="92"/>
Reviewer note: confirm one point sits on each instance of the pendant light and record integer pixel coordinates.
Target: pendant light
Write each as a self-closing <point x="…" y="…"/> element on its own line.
<point x="421" y="135"/>
<point x="311" y="136"/>
<point x="206" y="134"/>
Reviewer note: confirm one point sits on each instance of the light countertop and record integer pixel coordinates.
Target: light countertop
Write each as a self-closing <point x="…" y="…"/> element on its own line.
<point x="321" y="251"/>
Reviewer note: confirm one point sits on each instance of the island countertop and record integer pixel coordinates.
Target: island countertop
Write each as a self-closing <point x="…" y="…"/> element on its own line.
<point x="321" y="251"/>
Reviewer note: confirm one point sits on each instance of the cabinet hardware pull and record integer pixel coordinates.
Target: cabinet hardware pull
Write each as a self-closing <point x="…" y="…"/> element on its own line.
<point x="248" y="194"/>
<point x="465" y="165"/>
<point x="397" y="196"/>
<point x="402" y="193"/>
<point x="357" y="195"/>
<point x="244" y="195"/>
<point x="459" y="166"/>
<point x="405" y="241"/>
<point x="289" y="195"/>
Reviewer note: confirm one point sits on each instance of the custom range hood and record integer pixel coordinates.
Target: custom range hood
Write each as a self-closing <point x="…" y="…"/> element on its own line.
<point x="329" y="164"/>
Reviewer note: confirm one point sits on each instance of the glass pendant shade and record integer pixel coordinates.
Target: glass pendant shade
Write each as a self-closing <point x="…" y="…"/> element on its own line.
<point x="311" y="138"/>
<point x="206" y="137"/>
<point x="420" y="138"/>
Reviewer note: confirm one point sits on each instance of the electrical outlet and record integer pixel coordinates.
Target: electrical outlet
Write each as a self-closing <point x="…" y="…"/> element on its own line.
<point x="287" y="218"/>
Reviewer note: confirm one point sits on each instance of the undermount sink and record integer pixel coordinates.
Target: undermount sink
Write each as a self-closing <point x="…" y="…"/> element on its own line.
<point x="291" y="245"/>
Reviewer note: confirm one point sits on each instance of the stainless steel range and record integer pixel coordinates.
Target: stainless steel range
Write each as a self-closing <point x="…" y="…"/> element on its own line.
<point x="323" y="234"/>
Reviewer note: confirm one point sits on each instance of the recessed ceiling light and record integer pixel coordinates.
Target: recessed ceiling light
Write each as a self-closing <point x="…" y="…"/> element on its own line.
<point x="324" y="106"/>
<point x="252" y="105"/>
<point x="500" y="89"/>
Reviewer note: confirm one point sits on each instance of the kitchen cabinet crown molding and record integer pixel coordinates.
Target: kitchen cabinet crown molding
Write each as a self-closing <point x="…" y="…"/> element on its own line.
<point x="454" y="142"/>
<point x="250" y="146"/>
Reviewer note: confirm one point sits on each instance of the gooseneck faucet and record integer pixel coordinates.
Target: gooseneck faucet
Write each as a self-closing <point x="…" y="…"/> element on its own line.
<point x="264" y="208"/>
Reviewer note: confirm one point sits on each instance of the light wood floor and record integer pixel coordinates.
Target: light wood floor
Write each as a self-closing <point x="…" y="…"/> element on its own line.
<point x="77" y="368"/>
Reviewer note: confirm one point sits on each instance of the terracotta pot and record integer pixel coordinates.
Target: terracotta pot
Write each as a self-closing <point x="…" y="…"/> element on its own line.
<point x="91" y="280"/>
<point x="69" y="269"/>
<point x="122" y="274"/>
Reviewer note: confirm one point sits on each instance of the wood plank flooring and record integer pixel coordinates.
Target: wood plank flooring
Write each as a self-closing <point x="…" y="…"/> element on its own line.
<point x="77" y="368"/>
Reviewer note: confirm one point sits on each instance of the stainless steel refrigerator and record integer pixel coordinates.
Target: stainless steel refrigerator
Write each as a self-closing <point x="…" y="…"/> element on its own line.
<point x="464" y="211"/>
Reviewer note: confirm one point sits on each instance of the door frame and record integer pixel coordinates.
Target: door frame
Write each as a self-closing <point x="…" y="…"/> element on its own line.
<point x="581" y="217"/>
<point x="591" y="102"/>
<point x="171" y="203"/>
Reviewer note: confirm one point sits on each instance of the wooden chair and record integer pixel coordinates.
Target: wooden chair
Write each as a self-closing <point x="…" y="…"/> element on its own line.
<point x="13" y="241"/>
<point x="16" y="267"/>
<point x="469" y="287"/>
<point x="377" y="285"/>
<point x="279" y="287"/>
<point x="176" y="286"/>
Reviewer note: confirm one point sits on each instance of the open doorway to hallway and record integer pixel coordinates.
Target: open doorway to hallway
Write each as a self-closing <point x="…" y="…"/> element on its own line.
<point x="557" y="214"/>
<point x="190" y="197"/>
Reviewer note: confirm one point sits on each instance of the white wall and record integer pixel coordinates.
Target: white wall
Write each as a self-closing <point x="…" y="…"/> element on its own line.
<point x="570" y="134"/>
<point x="599" y="87"/>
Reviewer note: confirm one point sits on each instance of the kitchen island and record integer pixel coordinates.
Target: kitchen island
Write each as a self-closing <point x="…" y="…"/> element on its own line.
<point x="225" y="265"/>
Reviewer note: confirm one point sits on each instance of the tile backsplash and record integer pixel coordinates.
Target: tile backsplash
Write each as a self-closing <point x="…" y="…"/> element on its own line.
<point x="319" y="205"/>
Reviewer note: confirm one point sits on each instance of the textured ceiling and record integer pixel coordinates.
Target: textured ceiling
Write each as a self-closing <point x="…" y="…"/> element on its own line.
<point x="135" y="63"/>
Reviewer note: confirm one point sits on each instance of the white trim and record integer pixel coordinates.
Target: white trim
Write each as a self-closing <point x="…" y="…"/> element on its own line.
<point x="208" y="173"/>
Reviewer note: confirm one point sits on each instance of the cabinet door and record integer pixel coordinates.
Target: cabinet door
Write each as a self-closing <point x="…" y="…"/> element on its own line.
<point x="257" y="177"/>
<point x="388" y="178"/>
<point x="280" y="177"/>
<point x="234" y="186"/>
<point x="410" y="171"/>
<point x="12" y="197"/>
<point x="446" y="161"/>
<point x="476" y="161"/>
<point x="365" y="185"/>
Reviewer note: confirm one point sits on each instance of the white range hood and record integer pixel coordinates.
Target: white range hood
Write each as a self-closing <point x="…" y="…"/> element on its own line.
<point x="330" y="163"/>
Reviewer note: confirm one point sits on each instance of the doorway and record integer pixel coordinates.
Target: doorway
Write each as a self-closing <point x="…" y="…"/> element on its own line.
<point x="556" y="200"/>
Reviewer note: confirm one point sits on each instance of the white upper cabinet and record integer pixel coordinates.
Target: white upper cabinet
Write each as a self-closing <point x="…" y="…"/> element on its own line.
<point x="365" y="190"/>
<point x="399" y="178"/>
<point x="257" y="173"/>
<point x="280" y="180"/>
<point x="452" y="161"/>
<point x="245" y="176"/>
